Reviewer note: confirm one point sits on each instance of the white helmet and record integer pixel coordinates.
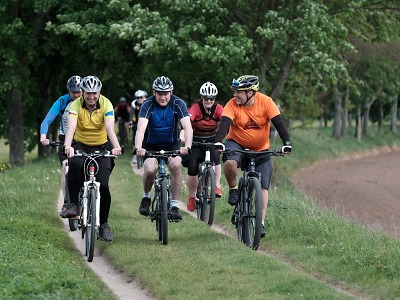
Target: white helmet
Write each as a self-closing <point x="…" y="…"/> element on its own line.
<point x="91" y="84"/>
<point x="140" y="93"/>
<point x="163" y="84"/>
<point x="208" y="90"/>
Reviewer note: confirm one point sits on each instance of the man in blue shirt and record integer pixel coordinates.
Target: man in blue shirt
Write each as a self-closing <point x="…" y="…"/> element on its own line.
<point x="158" y="129"/>
<point x="60" y="108"/>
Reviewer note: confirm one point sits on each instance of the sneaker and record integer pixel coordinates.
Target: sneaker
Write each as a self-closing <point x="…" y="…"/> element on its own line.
<point x="233" y="196"/>
<point x="134" y="159"/>
<point x="191" y="205"/>
<point x="72" y="211"/>
<point x="105" y="233"/>
<point x="218" y="192"/>
<point x="144" y="208"/>
<point x="175" y="215"/>
<point x="263" y="232"/>
<point x="63" y="210"/>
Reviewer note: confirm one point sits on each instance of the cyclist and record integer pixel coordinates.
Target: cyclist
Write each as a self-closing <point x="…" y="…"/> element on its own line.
<point x="140" y="96"/>
<point x="90" y="123"/>
<point x="205" y="116"/>
<point x="60" y="108"/>
<point x="158" y="129"/>
<point x="247" y="116"/>
<point x="122" y="111"/>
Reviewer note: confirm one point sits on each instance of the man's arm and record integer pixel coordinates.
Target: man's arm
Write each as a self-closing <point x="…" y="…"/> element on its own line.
<point x="223" y="128"/>
<point x="109" y="124"/>
<point x="69" y="151"/>
<point x="188" y="130"/>
<point x="141" y="128"/>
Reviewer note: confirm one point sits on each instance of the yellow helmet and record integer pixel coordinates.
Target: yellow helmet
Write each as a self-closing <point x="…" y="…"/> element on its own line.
<point x="245" y="83"/>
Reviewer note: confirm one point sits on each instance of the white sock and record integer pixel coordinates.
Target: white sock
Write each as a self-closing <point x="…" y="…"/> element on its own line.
<point x="146" y="195"/>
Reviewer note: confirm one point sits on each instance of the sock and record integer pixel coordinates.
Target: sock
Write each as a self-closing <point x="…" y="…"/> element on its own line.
<point x="233" y="188"/>
<point x="147" y="195"/>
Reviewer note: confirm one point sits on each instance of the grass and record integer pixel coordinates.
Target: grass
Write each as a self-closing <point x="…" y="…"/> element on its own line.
<point x="311" y="252"/>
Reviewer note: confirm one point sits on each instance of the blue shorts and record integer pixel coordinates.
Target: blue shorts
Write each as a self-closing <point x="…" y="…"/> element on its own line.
<point x="263" y="164"/>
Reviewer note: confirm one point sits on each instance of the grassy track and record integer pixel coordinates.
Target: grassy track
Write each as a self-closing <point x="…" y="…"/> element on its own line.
<point x="199" y="263"/>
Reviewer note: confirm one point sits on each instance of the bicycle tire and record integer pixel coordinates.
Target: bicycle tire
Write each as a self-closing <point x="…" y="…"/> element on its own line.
<point x="83" y="212"/>
<point x="139" y="162"/>
<point x="164" y="212"/>
<point x="121" y="133"/>
<point x="208" y="199"/>
<point x="199" y="196"/>
<point x="73" y="224"/>
<point x="253" y="214"/>
<point x="238" y="212"/>
<point x="90" y="236"/>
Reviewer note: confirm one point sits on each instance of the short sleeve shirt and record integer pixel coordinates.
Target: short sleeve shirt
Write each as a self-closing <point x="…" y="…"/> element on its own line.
<point x="90" y="129"/>
<point x="251" y="125"/>
<point x="163" y="128"/>
<point x="205" y="126"/>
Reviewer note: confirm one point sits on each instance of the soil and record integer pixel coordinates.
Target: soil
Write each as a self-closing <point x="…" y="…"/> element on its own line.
<point x="362" y="187"/>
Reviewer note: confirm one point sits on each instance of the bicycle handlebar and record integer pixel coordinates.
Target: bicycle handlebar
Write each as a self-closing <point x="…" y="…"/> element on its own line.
<point x="251" y="153"/>
<point x="104" y="153"/>
<point x="164" y="153"/>
<point x="207" y="144"/>
<point x="54" y="144"/>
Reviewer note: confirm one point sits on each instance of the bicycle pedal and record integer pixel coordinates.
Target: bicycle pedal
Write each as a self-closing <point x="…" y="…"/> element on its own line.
<point x="174" y="220"/>
<point x="234" y="219"/>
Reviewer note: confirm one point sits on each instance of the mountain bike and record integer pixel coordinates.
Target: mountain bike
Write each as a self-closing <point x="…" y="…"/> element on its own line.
<point x="89" y="200"/>
<point x="161" y="203"/>
<point x="247" y="214"/>
<point x="205" y="193"/>
<point x="122" y="134"/>
<point x="72" y="222"/>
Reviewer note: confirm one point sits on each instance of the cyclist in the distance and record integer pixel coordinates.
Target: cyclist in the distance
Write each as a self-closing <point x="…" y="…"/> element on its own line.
<point x="205" y="116"/>
<point x="158" y="129"/>
<point x="61" y="108"/>
<point x="140" y="96"/>
<point x="122" y="111"/>
<point x="247" y="116"/>
<point x="90" y="125"/>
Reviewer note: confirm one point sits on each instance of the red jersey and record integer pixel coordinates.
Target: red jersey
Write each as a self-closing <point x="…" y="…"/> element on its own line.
<point x="205" y="123"/>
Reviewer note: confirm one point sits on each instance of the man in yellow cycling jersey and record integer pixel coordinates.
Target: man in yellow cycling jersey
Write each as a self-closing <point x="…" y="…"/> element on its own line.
<point x="90" y="125"/>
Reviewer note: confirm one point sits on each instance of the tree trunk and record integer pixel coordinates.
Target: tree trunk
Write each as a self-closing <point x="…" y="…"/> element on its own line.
<point x="367" y="107"/>
<point x="345" y="114"/>
<point x="380" y="117"/>
<point x="283" y="75"/>
<point x="358" y="130"/>
<point x="393" y="120"/>
<point x="16" y="127"/>
<point x="337" y="124"/>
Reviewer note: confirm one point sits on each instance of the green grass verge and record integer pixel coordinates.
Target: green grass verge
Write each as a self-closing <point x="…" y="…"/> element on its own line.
<point x="198" y="263"/>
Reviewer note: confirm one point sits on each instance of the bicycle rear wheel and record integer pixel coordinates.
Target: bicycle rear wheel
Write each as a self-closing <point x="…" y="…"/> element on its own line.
<point x="253" y="214"/>
<point x="162" y="213"/>
<point x="90" y="236"/>
<point x="208" y="196"/>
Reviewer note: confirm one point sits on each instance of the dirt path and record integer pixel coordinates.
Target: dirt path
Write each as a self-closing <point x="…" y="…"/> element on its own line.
<point x="120" y="285"/>
<point x="363" y="187"/>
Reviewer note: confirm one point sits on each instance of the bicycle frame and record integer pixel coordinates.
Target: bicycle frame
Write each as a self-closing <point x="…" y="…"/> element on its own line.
<point x="162" y="194"/>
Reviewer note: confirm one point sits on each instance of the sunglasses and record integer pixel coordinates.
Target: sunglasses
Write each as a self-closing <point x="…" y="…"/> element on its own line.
<point x="208" y="99"/>
<point x="139" y="97"/>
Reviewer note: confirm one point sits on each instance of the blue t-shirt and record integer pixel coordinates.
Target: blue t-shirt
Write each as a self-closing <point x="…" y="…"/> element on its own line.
<point x="57" y="109"/>
<point x="163" y="128"/>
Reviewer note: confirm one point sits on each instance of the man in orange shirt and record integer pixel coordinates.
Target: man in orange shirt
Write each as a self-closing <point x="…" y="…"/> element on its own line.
<point x="247" y="116"/>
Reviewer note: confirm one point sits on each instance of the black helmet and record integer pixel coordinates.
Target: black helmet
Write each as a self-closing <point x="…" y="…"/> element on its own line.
<point x="74" y="84"/>
<point x="245" y="83"/>
<point x="163" y="84"/>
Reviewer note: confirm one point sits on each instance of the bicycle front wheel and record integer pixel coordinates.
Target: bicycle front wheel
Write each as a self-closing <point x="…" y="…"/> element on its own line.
<point x="253" y="214"/>
<point x="208" y="196"/>
<point x="90" y="236"/>
<point x="162" y="213"/>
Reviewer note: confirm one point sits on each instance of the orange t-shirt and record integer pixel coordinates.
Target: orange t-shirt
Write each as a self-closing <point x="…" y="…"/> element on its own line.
<point x="250" y="125"/>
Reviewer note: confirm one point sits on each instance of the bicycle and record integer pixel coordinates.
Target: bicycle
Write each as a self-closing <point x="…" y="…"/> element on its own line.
<point x="72" y="222"/>
<point x="205" y="193"/>
<point x="122" y="134"/>
<point x="247" y="214"/>
<point x="162" y="194"/>
<point x="89" y="200"/>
